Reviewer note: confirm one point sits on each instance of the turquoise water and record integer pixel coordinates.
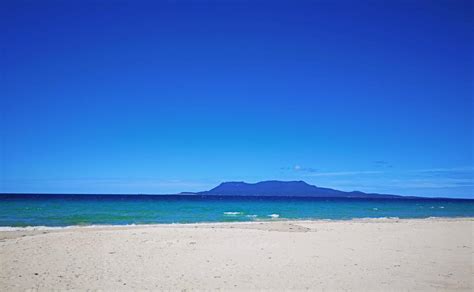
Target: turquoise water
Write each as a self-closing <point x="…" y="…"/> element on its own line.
<point x="66" y="210"/>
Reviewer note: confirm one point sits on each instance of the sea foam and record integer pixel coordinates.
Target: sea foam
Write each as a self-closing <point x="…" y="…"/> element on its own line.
<point x="233" y="213"/>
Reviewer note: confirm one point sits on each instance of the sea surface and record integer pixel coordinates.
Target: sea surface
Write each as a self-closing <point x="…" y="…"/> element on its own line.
<point x="20" y="210"/>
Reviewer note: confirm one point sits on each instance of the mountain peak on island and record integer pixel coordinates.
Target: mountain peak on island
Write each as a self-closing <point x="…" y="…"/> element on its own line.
<point x="267" y="183"/>
<point x="284" y="189"/>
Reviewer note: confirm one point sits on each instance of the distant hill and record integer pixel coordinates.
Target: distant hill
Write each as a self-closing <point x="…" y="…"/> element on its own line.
<point x="285" y="189"/>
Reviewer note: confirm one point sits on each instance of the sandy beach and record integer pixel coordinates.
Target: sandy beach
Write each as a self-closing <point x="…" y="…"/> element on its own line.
<point x="358" y="255"/>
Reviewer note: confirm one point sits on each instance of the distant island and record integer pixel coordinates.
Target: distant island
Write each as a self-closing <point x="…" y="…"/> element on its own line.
<point x="285" y="189"/>
<point x="270" y="188"/>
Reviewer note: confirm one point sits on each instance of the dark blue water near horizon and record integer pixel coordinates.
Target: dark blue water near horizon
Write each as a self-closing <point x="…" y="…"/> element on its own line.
<point x="20" y="210"/>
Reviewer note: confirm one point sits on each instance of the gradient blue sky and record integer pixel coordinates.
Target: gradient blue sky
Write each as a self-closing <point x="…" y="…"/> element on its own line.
<point x="143" y="97"/>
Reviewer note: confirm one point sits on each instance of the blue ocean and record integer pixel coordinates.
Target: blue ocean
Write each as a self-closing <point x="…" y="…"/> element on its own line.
<point x="19" y="210"/>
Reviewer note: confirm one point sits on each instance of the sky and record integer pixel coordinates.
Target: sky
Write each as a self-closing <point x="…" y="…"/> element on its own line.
<point x="170" y="96"/>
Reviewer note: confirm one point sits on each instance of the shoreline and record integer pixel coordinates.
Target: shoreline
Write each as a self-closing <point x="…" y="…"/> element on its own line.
<point x="269" y="225"/>
<point x="280" y="220"/>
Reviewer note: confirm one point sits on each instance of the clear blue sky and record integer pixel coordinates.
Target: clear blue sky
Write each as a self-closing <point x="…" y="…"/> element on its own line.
<point x="143" y="97"/>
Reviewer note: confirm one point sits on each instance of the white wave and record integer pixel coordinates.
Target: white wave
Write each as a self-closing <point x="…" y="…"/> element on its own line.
<point x="233" y="213"/>
<point x="252" y="216"/>
<point x="389" y="218"/>
<point x="274" y="215"/>
<point x="442" y="207"/>
<point x="372" y="219"/>
<point x="375" y="209"/>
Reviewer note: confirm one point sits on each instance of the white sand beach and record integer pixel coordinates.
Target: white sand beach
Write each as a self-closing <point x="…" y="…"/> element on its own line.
<point x="358" y="255"/>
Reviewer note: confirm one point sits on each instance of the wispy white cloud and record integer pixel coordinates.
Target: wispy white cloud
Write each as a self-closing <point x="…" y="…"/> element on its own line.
<point x="104" y="185"/>
<point x="464" y="170"/>
<point x="346" y="173"/>
<point x="429" y="183"/>
<point x="449" y="169"/>
<point x="299" y="168"/>
<point x="438" y="181"/>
